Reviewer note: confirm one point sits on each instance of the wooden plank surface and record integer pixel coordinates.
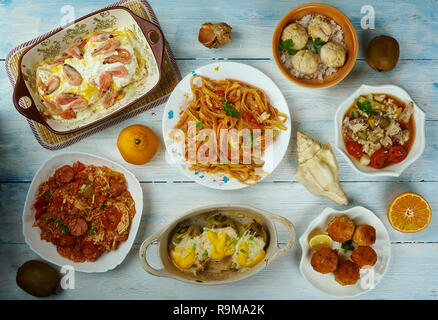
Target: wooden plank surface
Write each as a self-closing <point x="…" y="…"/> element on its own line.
<point x="168" y="193"/>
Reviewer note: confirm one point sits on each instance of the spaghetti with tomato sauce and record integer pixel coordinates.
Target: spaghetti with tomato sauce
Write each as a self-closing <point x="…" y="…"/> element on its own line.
<point x="231" y="104"/>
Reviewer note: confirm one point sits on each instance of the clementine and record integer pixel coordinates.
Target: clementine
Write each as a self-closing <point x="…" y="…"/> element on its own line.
<point x="137" y="144"/>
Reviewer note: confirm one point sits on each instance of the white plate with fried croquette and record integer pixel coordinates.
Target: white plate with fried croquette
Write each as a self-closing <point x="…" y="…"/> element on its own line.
<point x="359" y="255"/>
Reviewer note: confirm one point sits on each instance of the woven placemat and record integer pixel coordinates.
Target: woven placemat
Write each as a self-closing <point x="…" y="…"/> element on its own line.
<point x="169" y="79"/>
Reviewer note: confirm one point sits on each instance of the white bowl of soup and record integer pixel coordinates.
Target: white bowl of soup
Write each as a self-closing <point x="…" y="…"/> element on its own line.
<point x="380" y="130"/>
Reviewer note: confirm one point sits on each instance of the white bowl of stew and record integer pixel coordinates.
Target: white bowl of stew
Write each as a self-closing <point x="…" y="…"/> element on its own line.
<point x="380" y="130"/>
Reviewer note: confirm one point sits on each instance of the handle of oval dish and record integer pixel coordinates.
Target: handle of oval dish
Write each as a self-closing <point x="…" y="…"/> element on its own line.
<point x="153" y="36"/>
<point x="21" y="91"/>
<point x="143" y="260"/>
<point x="292" y="236"/>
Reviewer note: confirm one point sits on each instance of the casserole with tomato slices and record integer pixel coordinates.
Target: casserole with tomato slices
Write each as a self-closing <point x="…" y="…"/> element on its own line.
<point x="84" y="210"/>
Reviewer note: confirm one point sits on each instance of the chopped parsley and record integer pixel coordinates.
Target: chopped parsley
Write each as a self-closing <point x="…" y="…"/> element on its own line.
<point x="317" y="44"/>
<point x="205" y="254"/>
<point x="229" y="110"/>
<point x="47" y="195"/>
<point x="199" y="124"/>
<point x="64" y="228"/>
<point x="93" y="229"/>
<point x="243" y="251"/>
<point x="366" y="107"/>
<point x="234" y="240"/>
<point x="347" y="245"/>
<point x="287" y="45"/>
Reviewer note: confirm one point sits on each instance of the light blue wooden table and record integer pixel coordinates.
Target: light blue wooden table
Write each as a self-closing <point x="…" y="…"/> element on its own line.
<point x="413" y="271"/>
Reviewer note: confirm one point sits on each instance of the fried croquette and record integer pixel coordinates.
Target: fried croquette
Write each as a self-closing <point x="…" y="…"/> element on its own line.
<point x="347" y="273"/>
<point x="325" y="260"/>
<point x="364" y="235"/>
<point x="341" y="229"/>
<point x="364" y="256"/>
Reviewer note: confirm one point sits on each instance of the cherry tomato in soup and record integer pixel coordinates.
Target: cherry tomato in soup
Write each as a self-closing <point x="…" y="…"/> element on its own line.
<point x="355" y="149"/>
<point x="397" y="154"/>
<point x="379" y="158"/>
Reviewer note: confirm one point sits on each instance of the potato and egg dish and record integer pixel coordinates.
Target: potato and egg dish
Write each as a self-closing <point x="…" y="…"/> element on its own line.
<point x="223" y="245"/>
<point x="91" y="76"/>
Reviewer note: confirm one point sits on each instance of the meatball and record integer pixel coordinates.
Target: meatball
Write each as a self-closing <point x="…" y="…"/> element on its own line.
<point x="364" y="256"/>
<point x="305" y="61"/>
<point x="341" y="229"/>
<point x="364" y="235"/>
<point x="347" y="273"/>
<point x="324" y="260"/>
<point x="297" y="33"/>
<point x="320" y="27"/>
<point x="333" y="55"/>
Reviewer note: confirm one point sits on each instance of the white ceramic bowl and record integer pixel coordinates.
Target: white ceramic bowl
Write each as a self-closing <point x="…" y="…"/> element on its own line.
<point x="218" y="71"/>
<point x="326" y="283"/>
<point x="47" y="250"/>
<point x="273" y="250"/>
<point x="417" y="148"/>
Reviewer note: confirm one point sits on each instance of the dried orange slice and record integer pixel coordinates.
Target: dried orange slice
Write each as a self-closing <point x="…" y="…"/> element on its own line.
<point x="409" y="212"/>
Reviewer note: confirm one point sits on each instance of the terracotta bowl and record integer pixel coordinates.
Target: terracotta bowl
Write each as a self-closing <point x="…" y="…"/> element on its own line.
<point x="350" y="39"/>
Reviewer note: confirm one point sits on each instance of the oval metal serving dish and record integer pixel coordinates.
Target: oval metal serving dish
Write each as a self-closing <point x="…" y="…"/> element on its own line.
<point x="149" y="35"/>
<point x="169" y="270"/>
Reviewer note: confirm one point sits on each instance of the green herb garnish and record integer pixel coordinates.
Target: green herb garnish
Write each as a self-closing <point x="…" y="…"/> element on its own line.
<point x="194" y="246"/>
<point x="229" y="110"/>
<point x="243" y="251"/>
<point x="317" y="44"/>
<point x="234" y="240"/>
<point x="92" y="199"/>
<point x="213" y="262"/>
<point x="47" y="195"/>
<point x="64" y="228"/>
<point x="366" y="107"/>
<point x="205" y="254"/>
<point x="347" y="245"/>
<point x="93" y="229"/>
<point x="287" y="45"/>
<point x="105" y="188"/>
<point x="109" y="203"/>
<point x="199" y="124"/>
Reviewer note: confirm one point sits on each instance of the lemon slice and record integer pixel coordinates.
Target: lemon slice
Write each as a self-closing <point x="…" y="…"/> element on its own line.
<point x="320" y="241"/>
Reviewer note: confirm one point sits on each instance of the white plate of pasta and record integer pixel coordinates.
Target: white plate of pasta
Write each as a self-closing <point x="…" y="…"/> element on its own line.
<point x="226" y="125"/>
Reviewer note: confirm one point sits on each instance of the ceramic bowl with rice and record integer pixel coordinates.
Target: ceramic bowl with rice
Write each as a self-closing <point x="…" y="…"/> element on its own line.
<point x="315" y="46"/>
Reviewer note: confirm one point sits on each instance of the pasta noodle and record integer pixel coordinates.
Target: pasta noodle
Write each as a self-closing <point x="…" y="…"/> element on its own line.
<point x="222" y="106"/>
